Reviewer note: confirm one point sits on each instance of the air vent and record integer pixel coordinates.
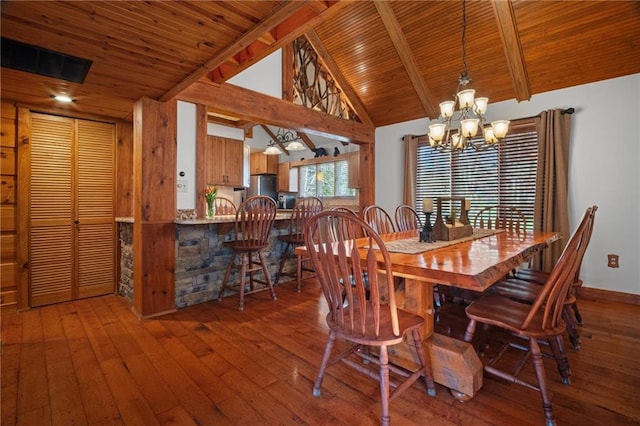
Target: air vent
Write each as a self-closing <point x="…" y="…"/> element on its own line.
<point x="36" y="60"/>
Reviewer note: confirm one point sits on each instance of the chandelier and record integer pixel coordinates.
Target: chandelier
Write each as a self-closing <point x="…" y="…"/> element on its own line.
<point x="458" y="130"/>
<point x="284" y="137"/>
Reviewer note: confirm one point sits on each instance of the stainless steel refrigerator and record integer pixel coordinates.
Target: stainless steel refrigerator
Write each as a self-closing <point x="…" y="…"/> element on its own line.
<point x="263" y="185"/>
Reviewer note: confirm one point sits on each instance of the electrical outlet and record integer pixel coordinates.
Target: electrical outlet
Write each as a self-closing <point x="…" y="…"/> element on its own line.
<point x="613" y="260"/>
<point x="182" y="186"/>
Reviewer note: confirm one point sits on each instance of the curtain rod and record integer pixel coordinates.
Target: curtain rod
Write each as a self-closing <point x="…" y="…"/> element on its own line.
<point x="569" y="111"/>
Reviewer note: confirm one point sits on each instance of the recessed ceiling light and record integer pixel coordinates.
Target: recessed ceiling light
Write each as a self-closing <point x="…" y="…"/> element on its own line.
<point x="63" y="98"/>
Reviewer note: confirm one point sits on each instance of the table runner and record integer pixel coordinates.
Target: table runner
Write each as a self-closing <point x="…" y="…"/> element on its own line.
<point x="413" y="246"/>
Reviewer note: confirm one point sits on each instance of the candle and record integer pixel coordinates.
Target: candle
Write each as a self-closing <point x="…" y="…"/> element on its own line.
<point x="467" y="204"/>
<point x="427" y="205"/>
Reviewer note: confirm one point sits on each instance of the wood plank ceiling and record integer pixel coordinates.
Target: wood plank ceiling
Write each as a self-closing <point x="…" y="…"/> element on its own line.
<point x="400" y="59"/>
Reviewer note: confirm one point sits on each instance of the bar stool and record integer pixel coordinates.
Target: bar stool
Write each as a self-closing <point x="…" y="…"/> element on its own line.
<point x="254" y="220"/>
<point x="302" y="211"/>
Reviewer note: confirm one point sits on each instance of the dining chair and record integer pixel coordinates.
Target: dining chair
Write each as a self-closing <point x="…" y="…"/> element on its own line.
<point x="527" y="283"/>
<point x="540" y="320"/>
<point x="500" y="217"/>
<point x="368" y="324"/>
<point x="224" y="206"/>
<point x="302" y="211"/>
<point x="378" y="218"/>
<point x="407" y="218"/>
<point x="253" y="223"/>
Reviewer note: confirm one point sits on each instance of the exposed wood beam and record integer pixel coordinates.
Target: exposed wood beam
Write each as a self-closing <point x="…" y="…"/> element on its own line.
<point x="287" y="72"/>
<point x="352" y="97"/>
<point x="280" y="13"/>
<point x="506" y="19"/>
<point x="253" y="106"/>
<point x="285" y="32"/>
<point x="401" y="44"/>
<point x="275" y="139"/>
<point x="307" y="141"/>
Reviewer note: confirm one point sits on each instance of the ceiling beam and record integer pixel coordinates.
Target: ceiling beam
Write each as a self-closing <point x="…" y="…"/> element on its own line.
<point x="249" y="105"/>
<point x="295" y="25"/>
<point x="307" y="141"/>
<point x="279" y="14"/>
<point x="506" y="20"/>
<point x="275" y="139"/>
<point x="394" y="30"/>
<point x="352" y="97"/>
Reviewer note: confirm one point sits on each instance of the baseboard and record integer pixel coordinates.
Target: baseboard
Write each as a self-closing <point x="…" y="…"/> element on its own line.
<point x="608" y="296"/>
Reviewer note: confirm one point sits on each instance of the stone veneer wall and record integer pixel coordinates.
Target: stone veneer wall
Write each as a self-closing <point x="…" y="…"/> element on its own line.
<point x="125" y="282"/>
<point x="202" y="259"/>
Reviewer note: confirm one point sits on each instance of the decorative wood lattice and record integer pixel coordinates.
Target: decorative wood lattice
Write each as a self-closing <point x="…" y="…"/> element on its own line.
<point x="313" y="85"/>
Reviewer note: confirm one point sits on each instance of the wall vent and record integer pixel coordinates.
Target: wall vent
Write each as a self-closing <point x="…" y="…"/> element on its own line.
<point x="37" y="60"/>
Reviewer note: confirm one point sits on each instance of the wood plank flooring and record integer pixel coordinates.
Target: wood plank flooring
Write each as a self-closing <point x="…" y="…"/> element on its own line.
<point x="92" y="362"/>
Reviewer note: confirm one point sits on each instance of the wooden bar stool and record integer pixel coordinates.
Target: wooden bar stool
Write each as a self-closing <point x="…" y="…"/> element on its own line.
<point x="254" y="220"/>
<point x="302" y="211"/>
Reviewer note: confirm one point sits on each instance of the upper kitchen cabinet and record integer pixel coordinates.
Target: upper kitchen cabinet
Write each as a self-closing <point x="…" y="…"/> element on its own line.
<point x="224" y="161"/>
<point x="263" y="164"/>
<point x="287" y="178"/>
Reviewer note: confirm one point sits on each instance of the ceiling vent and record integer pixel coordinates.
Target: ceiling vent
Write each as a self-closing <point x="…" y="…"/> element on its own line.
<point x="36" y="60"/>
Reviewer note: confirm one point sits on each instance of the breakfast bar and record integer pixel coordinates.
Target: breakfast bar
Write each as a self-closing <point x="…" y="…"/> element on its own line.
<point x="201" y="258"/>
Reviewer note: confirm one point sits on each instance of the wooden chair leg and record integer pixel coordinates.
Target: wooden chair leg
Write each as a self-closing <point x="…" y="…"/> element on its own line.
<point x="323" y="365"/>
<point x="226" y="275"/>
<point x="542" y="381"/>
<point x="576" y="313"/>
<point x="572" y="330"/>
<point x="299" y="275"/>
<point x="424" y="361"/>
<point x="283" y="261"/>
<point x="385" y="419"/>
<point x="267" y="277"/>
<point x="243" y="273"/>
<point x="561" y="358"/>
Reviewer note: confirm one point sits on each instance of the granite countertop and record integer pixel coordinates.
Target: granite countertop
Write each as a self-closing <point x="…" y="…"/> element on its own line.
<point x="223" y="218"/>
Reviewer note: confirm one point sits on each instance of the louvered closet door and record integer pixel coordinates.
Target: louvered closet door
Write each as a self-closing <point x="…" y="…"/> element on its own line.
<point x="72" y="240"/>
<point x="51" y="256"/>
<point x="95" y="201"/>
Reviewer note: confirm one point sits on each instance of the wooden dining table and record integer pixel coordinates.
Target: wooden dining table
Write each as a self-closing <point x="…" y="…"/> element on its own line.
<point x="471" y="263"/>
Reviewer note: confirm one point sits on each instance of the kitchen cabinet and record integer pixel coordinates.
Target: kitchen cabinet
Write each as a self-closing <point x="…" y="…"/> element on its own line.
<point x="263" y="164"/>
<point x="224" y="161"/>
<point x="354" y="170"/>
<point x="287" y="178"/>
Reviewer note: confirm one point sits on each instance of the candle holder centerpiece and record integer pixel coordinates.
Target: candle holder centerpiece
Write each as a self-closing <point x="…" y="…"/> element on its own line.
<point x="459" y="226"/>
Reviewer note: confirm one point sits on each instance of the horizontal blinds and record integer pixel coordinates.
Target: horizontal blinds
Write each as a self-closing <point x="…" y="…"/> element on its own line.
<point x="505" y="175"/>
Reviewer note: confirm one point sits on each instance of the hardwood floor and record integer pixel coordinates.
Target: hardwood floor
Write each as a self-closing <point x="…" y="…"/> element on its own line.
<point x="93" y="362"/>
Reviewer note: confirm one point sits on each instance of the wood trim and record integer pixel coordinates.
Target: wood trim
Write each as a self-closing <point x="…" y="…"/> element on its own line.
<point x="253" y="106"/>
<point x="600" y="295"/>
<point x="287" y="72"/>
<point x="394" y="30"/>
<point x="202" y="118"/>
<point x="506" y="20"/>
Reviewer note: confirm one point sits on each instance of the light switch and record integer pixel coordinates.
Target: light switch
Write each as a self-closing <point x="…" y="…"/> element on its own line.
<point x="182" y="186"/>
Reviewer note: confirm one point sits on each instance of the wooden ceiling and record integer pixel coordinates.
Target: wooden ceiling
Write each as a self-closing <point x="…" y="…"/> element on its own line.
<point x="399" y="58"/>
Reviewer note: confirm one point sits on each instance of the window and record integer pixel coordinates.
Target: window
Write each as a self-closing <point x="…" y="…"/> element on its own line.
<point x="506" y="175"/>
<point x="324" y="180"/>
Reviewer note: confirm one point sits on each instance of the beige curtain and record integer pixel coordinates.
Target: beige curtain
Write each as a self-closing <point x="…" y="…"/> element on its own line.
<point x="551" y="203"/>
<point x="410" y="166"/>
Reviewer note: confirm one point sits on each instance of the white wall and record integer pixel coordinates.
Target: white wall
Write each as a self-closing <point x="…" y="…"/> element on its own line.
<point x="604" y="170"/>
<point x="186" y="156"/>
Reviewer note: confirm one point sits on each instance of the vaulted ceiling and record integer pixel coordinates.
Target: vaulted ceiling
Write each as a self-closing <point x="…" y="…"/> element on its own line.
<point x="397" y="60"/>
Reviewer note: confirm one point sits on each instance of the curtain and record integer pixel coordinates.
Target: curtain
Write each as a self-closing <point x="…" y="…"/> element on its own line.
<point x="410" y="166"/>
<point x="551" y="202"/>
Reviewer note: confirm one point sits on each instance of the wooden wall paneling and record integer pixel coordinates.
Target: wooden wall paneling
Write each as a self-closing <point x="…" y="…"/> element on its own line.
<point x="23" y="145"/>
<point x="8" y="225"/>
<point x="154" y="207"/>
<point x="124" y="170"/>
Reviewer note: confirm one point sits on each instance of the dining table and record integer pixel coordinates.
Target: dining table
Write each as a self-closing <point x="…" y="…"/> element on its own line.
<point x="474" y="262"/>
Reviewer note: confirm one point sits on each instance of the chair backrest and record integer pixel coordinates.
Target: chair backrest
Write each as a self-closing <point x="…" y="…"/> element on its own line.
<point x="302" y="211"/>
<point x="407" y="218"/>
<point x="378" y="219"/>
<point x="344" y="209"/>
<point x="551" y="299"/>
<point x="500" y="217"/>
<point x="338" y="263"/>
<point x="224" y="206"/>
<point x="254" y="220"/>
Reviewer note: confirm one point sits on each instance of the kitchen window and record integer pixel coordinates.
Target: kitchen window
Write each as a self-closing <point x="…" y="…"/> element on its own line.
<point x="325" y="180"/>
<point x="505" y="176"/>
